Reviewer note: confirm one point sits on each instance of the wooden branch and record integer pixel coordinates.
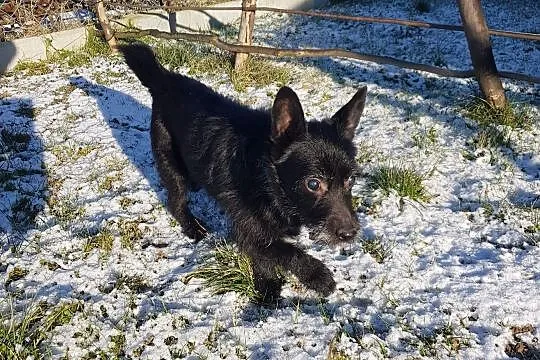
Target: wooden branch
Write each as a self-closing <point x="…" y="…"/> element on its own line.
<point x="476" y="31"/>
<point x="214" y="40"/>
<point x="104" y="21"/>
<point x="413" y="23"/>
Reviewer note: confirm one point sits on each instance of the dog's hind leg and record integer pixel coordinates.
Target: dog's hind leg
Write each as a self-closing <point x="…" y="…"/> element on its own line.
<point x="174" y="177"/>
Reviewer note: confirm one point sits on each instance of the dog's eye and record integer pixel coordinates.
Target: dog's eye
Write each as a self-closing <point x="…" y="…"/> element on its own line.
<point x="313" y="184"/>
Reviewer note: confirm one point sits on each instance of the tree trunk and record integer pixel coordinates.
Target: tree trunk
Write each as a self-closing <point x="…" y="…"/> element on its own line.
<point x="477" y="34"/>
<point x="245" y="34"/>
<point x="104" y="21"/>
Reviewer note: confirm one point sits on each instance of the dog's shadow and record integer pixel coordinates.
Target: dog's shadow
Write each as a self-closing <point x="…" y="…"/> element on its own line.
<point x="129" y="121"/>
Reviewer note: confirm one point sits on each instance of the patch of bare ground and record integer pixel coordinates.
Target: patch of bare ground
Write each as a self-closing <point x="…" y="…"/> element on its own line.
<point x="523" y="349"/>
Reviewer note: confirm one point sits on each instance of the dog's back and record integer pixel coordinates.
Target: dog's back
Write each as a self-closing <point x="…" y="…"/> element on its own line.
<point x="208" y="128"/>
<point x="170" y="89"/>
<point x="182" y="99"/>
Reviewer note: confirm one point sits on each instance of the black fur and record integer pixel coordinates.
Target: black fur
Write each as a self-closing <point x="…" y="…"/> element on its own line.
<point x="272" y="172"/>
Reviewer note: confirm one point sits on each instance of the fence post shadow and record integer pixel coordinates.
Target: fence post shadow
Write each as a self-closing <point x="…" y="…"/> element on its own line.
<point x="7" y="54"/>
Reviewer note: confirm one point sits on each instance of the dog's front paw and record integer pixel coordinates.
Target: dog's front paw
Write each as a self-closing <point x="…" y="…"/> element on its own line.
<point x="193" y="229"/>
<point x="324" y="283"/>
<point x="269" y="290"/>
<point x="318" y="278"/>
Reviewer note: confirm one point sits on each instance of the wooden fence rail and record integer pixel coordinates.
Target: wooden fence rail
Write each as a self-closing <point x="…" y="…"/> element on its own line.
<point x="280" y="52"/>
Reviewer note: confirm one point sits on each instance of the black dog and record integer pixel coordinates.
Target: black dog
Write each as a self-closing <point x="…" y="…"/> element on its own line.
<point x="270" y="171"/>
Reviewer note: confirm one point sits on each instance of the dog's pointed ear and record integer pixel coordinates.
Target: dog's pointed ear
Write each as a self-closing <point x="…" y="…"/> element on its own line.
<point x="347" y="118"/>
<point x="288" y="121"/>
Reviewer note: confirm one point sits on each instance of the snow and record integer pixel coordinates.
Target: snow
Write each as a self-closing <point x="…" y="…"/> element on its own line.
<point x="453" y="274"/>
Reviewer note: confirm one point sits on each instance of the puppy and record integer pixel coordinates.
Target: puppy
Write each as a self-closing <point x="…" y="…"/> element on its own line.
<point x="271" y="171"/>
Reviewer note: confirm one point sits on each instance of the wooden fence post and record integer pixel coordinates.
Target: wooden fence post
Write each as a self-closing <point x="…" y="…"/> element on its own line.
<point x="245" y="34"/>
<point x="171" y="14"/>
<point x="104" y="22"/>
<point x="476" y="31"/>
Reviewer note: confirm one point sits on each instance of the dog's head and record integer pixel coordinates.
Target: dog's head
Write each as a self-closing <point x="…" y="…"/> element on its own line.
<point x="315" y="163"/>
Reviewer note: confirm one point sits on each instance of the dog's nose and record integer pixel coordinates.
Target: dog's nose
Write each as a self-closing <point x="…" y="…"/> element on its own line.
<point x="347" y="234"/>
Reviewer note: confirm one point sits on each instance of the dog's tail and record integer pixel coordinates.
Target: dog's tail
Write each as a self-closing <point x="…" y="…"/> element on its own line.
<point x="142" y="60"/>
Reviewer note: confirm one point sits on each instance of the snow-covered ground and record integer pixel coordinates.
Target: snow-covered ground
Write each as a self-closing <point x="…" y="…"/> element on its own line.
<point x="456" y="274"/>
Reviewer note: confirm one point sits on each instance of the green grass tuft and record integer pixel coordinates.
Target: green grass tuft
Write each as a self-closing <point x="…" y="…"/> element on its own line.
<point x="94" y="46"/>
<point x="61" y="314"/>
<point x="23" y="336"/>
<point x="375" y="247"/>
<point x="126" y="202"/>
<point x="32" y="68"/>
<point x="485" y="115"/>
<point x="106" y="184"/>
<point x="16" y="274"/>
<point x="200" y="59"/>
<point x="425" y="138"/>
<point x="71" y="152"/>
<point x="259" y="72"/>
<point x="129" y="233"/>
<point x="228" y="270"/>
<point x="65" y="209"/>
<point x="365" y="153"/>
<point x="491" y="137"/>
<point x="118" y="345"/>
<point x="135" y="283"/>
<point x="103" y="241"/>
<point x="64" y="91"/>
<point x="356" y="202"/>
<point x="51" y="265"/>
<point x="334" y="352"/>
<point x="448" y="337"/>
<point x="406" y="182"/>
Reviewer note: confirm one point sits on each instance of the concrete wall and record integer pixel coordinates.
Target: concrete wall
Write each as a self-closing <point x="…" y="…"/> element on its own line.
<point x="35" y="48"/>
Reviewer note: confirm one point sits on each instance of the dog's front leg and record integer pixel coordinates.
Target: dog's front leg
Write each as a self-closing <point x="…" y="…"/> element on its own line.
<point x="271" y="254"/>
<point x="267" y="281"/>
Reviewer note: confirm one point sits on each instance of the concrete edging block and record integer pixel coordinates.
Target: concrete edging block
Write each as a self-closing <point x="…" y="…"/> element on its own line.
<point x="36" y="47"/>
